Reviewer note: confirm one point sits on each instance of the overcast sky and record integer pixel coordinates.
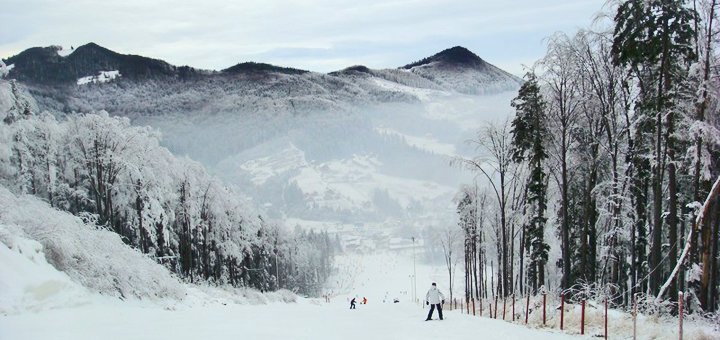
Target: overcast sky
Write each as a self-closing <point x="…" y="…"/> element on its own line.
<point x="317" y="35"/>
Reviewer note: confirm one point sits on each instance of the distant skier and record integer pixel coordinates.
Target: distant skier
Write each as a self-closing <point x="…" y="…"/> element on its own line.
<point x="364" y="300"/>
<point x="352" y="303"/>
<point x="434" y="298"/>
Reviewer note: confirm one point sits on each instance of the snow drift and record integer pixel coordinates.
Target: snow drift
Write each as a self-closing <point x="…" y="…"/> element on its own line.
<point x="94" y="258"/>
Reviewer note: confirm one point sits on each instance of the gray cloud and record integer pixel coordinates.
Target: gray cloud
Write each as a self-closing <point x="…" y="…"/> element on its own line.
<point x="320" y="35"/>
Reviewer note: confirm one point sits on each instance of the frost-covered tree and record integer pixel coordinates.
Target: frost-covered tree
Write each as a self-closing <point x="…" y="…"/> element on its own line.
<point x="467" y="210"/>
<point x="529" y="140"/>
<point x="118" y="177"/>
<point x="3" y="69"/>
<point x="655" y="39"/>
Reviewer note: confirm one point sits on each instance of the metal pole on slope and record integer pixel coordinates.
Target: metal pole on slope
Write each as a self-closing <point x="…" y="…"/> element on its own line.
<point x="411" y="287"/>
<point x="414" y="273"/>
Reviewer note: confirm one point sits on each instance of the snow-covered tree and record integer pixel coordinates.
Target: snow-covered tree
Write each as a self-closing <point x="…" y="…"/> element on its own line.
<point x="530" y="133"/>
<point x="118" y="177"/>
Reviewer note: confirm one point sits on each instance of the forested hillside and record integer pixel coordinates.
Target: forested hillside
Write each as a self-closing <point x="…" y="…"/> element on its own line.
<point x="117" y="177"/>
<point x="602" y="183"/>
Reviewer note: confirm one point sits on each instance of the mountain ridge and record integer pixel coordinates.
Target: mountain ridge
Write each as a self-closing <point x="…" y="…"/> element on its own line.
<point x="46" y="65"/>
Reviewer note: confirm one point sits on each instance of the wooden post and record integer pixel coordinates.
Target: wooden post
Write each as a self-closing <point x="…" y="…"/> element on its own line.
<point x="680" y="312"/>
<point x="527" y="308"/>
<point x="461" y="307"/>
<point x="473" y="303"/>
<point x="496" y="298"/>
<point x="544" y="303"/>
<point x="481" y="307"/>
<point x="582" y="318"/>
<point x="513" y="307"/>
<point x="455" y="303"/>
<point x="606" y="317"/>
<point x="562" y="310"/>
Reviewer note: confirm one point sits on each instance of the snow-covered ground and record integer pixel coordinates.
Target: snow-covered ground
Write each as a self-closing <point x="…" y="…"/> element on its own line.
<point x="101" y="77"/>
<point x="304" y="320"/>
<point x="210" y="313"/>
<point x="142" y="301"/>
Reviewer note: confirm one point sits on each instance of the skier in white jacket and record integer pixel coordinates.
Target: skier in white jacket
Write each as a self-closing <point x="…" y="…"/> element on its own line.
<point x="434" y="298"/>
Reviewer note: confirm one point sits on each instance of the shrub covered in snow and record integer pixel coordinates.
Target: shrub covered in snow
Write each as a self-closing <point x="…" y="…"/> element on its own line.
<point x="96" y="258"/>
<point x="3" y="69"/>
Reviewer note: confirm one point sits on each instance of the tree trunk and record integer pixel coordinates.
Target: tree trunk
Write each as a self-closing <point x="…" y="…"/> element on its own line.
<point x="500" y="277"/>
<point x="703" y="219"/>
<point x="512" y="259"/>
<point x="656" y="250"/>
<point x="707" y="259"/>
<point x="565" y="222"/>
<point x="521" y="258"/>
<point x="713" y="293"/>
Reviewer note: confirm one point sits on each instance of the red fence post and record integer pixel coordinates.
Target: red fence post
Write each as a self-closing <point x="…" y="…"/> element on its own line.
<point x="562" y="310"/>
<point x="496" y="298"/>
<point x="527" y="308"/>
<point x="513" y="311"/>
<point x="544" y="303"/>
<point x="606" y="317"/>
<point x="473" y="302"/>
<point x="582" y="318"/>
<point x="680" y="312"/>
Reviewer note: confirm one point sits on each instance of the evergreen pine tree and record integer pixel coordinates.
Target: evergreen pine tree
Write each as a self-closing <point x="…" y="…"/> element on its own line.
<point x="529" y="131"/>
<point x="655" y="39"/>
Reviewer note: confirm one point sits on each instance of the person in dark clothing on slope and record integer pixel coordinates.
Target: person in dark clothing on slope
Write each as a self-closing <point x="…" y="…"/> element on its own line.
<point x="434" y="298"/>
<point x="352" y="303"/>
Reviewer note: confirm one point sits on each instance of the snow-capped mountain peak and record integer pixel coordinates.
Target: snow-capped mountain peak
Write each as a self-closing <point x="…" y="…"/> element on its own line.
<point x="457" y="56"/>
<point x="459" y="70"/>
